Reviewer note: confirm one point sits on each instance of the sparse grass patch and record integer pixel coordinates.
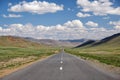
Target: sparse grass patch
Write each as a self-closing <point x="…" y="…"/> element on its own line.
<point x="14" y="56"/>
<point x="110" y="58"/>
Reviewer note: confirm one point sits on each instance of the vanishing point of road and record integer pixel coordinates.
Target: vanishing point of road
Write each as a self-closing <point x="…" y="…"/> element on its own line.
<point x="61" y="66"/>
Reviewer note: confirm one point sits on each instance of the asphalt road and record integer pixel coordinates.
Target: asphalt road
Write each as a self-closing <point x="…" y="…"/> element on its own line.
<point x="61" y="66"/>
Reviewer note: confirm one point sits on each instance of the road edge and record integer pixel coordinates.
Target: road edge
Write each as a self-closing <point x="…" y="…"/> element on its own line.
<point x="92" y="64"/>
<point x="25" y="65"/>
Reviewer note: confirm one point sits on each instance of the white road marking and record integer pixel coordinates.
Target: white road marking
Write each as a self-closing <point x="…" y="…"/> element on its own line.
<point x="61" y="68"/>
<point x="61" y="62"/>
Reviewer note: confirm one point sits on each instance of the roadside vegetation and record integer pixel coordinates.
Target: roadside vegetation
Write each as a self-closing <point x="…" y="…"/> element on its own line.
<point x="106" y="50"/>
<point x="110" y="56"/>
<point x="15" y="56"/>
<point x="16" y="52"/>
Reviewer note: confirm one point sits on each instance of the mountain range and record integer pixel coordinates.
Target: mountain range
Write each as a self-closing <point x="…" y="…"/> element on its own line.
<point x="58" y="43"/>
<point x="15" y="41"/>
<point x="111" y="41"/>
<point x="7" y="41"/>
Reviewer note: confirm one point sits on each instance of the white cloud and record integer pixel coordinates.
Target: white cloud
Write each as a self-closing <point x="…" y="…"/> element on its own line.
<point x="37" y="7"/>
<point x="74" y="24"/>
<point x="116" y="24"/>
<point x="117" y="27"/>
<point x="79" y="14"/>
<point x="98" y="7"/>
<point x="0" y="28"/>
<point x="69" y="30"/>
<point x="11" y="16"/>
<point x="92" y="24"/>
<point x="96" y="29"/>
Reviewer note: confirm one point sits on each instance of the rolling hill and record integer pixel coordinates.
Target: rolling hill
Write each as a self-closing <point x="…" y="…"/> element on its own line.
<point x="15" y="41"/>
<point x="111" y="41"/>
<point x="12" y="41"/>
<point x="57" y="43"/>
<point x="87" y="43"/>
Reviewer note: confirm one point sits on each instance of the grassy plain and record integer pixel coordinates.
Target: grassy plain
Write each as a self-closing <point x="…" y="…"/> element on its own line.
<point x="107" y="55"/>
<point x="16" y="52"/>
<point x="16" y="56"/>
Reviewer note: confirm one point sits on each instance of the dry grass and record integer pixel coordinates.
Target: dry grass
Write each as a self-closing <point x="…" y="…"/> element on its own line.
<point x="11" y="58"/>
<point x="106" y="59"/>
<point x="26" y="62"/>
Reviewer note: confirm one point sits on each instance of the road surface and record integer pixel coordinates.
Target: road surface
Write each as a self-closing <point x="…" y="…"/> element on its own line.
<point x="61" y="66"/>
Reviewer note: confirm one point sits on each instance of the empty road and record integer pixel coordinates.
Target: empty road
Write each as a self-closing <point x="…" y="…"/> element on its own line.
<point x="61" y="66"/>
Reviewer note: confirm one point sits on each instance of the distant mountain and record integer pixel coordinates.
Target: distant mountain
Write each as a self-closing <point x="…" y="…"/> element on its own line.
<point x="13" y="41"/>
<point x="50" y="42"/>
<point x="57" y="43"/>
<point x="111" y="41"/>
<point x="89" y="42"/>
<point x="75" y="40"/>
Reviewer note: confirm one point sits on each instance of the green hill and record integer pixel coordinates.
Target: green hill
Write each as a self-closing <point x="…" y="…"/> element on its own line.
<point x="106" y="50"/>
<point x="111" y="41"/>
<point x="11" y="41"/>
<point x="17" y="51"/>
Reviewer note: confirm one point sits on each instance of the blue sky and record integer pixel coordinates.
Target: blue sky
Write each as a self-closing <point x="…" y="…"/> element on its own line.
<point x="60" y="19"/>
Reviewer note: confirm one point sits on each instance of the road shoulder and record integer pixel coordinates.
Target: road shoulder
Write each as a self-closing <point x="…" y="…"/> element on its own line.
<point x="6" y="72"/>
<point x="102" y="67"/>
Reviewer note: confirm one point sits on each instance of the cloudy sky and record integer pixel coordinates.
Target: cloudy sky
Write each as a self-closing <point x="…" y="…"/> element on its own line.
<point x="60" y="19"/>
